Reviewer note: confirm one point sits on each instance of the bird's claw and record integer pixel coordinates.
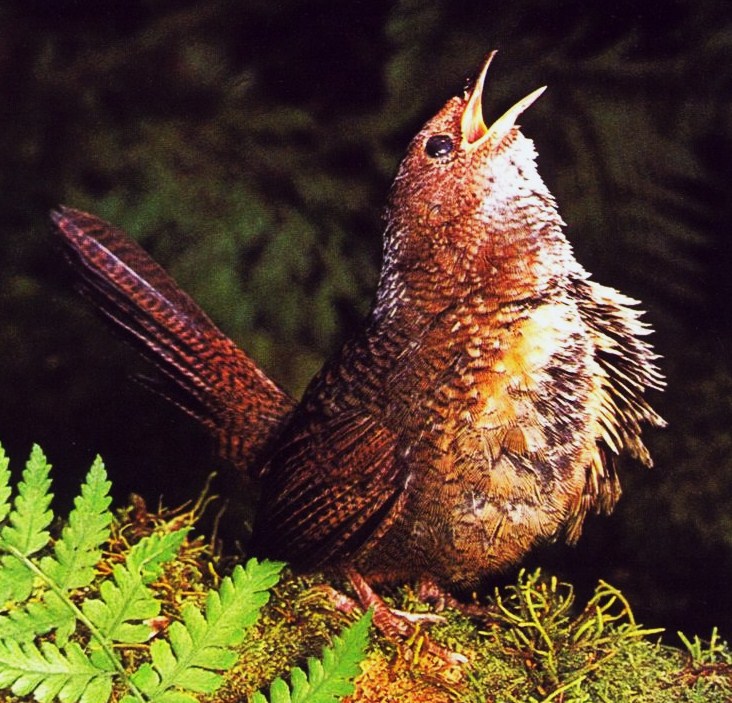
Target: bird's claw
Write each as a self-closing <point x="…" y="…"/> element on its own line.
<point x="400" y="625"/>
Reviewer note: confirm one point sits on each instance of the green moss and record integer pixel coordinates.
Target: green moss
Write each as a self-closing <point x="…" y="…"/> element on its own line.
<point x="533" y="644"/>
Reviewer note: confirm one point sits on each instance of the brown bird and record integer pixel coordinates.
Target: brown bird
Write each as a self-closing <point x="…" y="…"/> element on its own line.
<point x="478" y="413"/>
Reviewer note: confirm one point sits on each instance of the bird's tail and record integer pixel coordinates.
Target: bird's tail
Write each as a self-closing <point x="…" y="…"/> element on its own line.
<point x="212" y="379"/>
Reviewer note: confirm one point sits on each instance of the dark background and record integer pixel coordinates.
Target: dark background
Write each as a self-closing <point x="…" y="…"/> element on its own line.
<point x="250" y="145"/>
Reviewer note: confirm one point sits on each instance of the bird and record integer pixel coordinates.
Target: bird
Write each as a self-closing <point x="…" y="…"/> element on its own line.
<point x="479" y="411"/>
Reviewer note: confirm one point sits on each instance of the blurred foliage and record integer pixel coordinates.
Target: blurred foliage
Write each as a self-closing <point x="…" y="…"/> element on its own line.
<point x="250" y="146"/>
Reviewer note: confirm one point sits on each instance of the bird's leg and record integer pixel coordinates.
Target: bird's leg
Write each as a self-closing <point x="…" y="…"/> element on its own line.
<point x="402" y="622"/>
<point x="398" y="624"/>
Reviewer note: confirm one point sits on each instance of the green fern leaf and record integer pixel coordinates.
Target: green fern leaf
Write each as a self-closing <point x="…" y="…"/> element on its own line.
<point x="78" y="550"/>
<point x="125" y="601"/>
<point x="329" y="679"/>
<point x="25" y="532"/>
<point x="201" y="645"/>
<point x="234" y="608"/>
<point x="279" y="692"/>
<point x="149" y="555"/>
<point x="16" y="582"/>
<point x="4" y="485"/>
<point x="87" y="529"/>
<point x="49" y="673"/>
<point x="37" y="618"/>
<point x="30" y="515"/>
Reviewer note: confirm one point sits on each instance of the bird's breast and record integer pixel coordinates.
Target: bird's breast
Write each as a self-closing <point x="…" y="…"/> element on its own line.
<point x="498" y="446"/>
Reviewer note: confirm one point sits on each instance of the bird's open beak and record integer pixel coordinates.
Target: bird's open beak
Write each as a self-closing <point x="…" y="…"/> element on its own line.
<point x="473" y="127"/>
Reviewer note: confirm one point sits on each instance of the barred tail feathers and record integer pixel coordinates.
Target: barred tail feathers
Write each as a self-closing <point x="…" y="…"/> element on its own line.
<point x="213" y="380"/>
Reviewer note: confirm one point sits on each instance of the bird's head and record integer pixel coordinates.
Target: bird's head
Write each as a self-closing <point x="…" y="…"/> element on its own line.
<point x="467" y="201"/>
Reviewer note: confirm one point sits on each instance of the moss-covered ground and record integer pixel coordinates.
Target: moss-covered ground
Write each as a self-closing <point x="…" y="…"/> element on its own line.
<point x="532" y="643"/>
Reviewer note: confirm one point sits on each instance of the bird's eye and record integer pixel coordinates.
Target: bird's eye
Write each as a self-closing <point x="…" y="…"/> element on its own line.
<point x="439" y="145"/>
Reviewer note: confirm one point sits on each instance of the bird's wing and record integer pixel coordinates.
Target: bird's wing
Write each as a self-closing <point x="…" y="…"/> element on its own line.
<point x="628" y="368"/>
<point x="337" y="479"/>
<point x="628" y="361"/>
<point x="330" y="486"/>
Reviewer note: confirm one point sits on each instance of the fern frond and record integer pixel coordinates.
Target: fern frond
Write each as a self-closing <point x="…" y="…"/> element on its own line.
<point x="76" y="553"/>
<point x="25" y="532"/>
<point x="30" y="515"/>
<point x="188" y="660"/>
<point x="80" y="546"/>
<point x="200" y="646"/>
<point x="49" y="674"/>
<point x="125" y="601"/>
<point x="329" y="679"/>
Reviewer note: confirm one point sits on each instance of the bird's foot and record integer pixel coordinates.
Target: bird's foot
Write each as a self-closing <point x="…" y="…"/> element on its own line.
<point x="429" y="591"/>
<point x="396" y="624"/>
